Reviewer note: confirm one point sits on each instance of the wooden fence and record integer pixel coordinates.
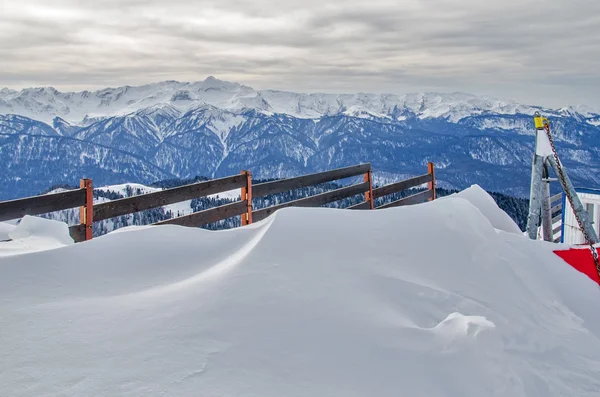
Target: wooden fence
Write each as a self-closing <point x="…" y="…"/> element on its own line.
<point x="90" y="213"/>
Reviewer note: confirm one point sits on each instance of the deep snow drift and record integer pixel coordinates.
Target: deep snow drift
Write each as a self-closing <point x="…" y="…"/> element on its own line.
<point x="427" y="300"/>
<point x="32" y="234"/>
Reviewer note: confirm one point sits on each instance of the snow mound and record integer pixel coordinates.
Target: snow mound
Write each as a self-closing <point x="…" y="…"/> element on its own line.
<point x="5" y="229"/>
<point x="488" y="207"/>
<point x="34" y="234"/>
<point x="457" y="325"/>
<point x="31" y="226"/>
<point x="309" y="302"/>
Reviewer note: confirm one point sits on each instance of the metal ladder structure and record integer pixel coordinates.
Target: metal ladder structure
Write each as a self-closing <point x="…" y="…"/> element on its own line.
<point x="544" y="158"/>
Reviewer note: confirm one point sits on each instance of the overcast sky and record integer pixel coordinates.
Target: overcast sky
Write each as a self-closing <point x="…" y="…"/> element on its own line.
<point x="535" y="51"/>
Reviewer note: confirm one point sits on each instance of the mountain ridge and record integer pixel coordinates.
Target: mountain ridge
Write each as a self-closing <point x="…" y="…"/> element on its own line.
<point x="45" y="103"/>
<point x="472" y="140"/>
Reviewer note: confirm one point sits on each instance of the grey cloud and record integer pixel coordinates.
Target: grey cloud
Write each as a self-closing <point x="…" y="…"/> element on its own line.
<point x="534" y="51"/>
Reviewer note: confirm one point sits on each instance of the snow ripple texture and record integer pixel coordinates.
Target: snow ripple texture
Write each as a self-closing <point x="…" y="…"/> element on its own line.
<point x="434" y="299"/>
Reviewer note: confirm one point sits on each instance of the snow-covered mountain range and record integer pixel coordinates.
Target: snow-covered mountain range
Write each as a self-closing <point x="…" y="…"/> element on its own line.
<point x="215" y="128"/>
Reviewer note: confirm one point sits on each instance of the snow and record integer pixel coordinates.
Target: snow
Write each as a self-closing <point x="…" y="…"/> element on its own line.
<point x="486" y="204"/>
<point x="309" y="302"/>
<point x="230" y="194"/>
<point x="523" y="127"/>
<point x="5" y="229"/>
<point x="122" y="188"/>
<point x="33" y="234"/>
<point x="595" y="123"/>
<point x="458" y="327"/>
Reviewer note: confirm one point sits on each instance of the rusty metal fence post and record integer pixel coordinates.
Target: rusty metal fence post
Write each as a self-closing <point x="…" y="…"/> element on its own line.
<point x="86" y="212"/>
<point x="369" y="194"/>
<point x="431" y="170"/>
<point x="247" y="195"/>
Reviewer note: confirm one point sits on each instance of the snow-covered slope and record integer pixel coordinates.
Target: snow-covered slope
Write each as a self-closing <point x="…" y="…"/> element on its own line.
<point x="447" y="306"/>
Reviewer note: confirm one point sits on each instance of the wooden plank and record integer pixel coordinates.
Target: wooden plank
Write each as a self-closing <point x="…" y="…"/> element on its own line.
<point x="414" y="199"/>
<point x="38" y="205"/>
<point x="402" y="185"/>
<point x="314" y="201"/>
<point x="77" y="233"/>
<point x="557" y="218"/>
<point x="365" y="205"/>
<point x="556" y="198"/>
<point x="143" y="202"/>
<point x="556" y="208"/>
<point x="211" y="215"/>
<point x="274" y="187"/>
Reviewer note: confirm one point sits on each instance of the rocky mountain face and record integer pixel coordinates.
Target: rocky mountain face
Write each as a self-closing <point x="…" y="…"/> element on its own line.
<point x="215" y="128"/>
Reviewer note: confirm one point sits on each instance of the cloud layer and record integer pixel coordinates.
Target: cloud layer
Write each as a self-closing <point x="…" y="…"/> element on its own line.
<point x="536" y="51"/>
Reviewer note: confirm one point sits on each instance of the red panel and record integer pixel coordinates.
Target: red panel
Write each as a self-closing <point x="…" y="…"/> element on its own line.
<point x="582" y="260"/>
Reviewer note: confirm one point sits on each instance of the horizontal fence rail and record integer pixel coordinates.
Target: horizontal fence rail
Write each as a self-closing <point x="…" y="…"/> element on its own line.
<point x="402" y="185"/>
<point x="314" y="201"/>
<point x="210" y="215"/>
<point x="274" y="187"/>
<point x="38" y="205"/>
<point x="77" y="232"/>
<point x="414" y="199"/>
<point x="148" y="201"/>
<point x="89" y="213"/>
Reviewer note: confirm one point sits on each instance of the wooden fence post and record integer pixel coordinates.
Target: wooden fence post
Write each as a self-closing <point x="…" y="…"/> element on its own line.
<point x="86" y="212"/>
<point x="247" y="195"/>
<point x="431" y="170"/>
<point x="369" y="194"/>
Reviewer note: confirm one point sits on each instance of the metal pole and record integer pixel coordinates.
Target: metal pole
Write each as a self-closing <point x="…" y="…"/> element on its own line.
<point x="535" y="195"/>
<point x="577" y="206"/>
<point x="546" y="211"/>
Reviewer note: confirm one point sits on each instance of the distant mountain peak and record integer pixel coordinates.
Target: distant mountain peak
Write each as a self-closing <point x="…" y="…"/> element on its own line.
<point x="212" y="80"/>
<point x="161" y="107"/>
<point x="45" y="103"/>
<point x="214" y="84"/>
<point x="7" y="91"/>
